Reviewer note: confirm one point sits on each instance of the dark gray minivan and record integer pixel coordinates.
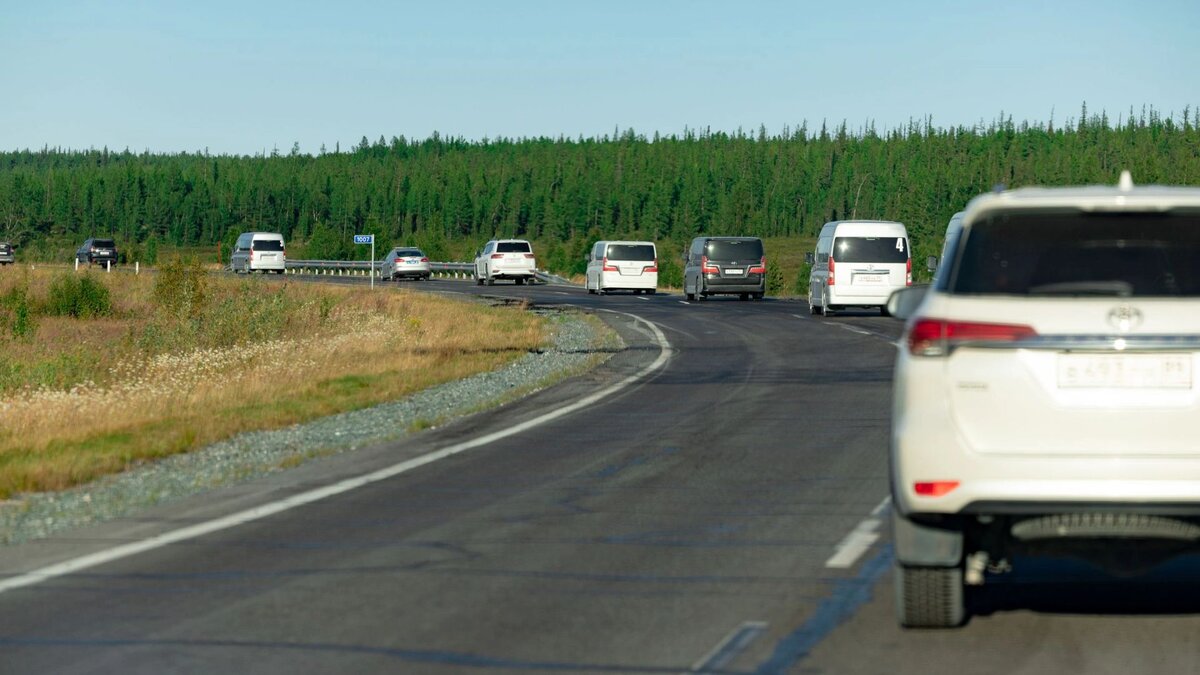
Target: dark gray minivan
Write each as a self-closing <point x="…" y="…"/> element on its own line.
<point x="725" y="266"/>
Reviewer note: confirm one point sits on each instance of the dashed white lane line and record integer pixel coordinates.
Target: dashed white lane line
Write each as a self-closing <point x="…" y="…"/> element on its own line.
<point x="684" y="302"/>
<point x="309" y="496"/>
<point x="642" y="298"/>
<point x="852" y="329"/>
<point x="800" y="316"/>
<point x="860" y="539"/>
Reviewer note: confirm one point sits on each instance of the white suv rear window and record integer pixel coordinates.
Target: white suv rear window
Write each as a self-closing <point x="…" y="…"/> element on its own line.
<point x="1080" y="254"/>
<point x="513" y="247"/>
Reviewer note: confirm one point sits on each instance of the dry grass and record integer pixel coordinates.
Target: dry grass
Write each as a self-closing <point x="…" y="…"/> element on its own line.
<point x="97" y="396"/>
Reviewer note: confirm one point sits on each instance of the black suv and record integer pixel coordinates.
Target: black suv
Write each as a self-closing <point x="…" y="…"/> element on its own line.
<point x="97" y="252"/>
<point x="6" y="253"/>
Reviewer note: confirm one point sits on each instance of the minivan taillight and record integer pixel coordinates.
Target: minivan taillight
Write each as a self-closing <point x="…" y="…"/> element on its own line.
<point x="761" y="267"/>
<point x="908" y="273"/>
<point x="935" y="337"/>
<point x="605" y="267"/>
<point x="652" y="268"/>
<point x="830" y="281"/>
<point x="706" y="268"/>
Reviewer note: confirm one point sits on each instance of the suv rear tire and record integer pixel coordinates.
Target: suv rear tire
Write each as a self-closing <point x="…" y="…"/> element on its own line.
<point x="929" y="597"/>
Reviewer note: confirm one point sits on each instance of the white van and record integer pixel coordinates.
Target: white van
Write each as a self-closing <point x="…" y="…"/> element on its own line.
<point x="622" y="266"/>
<point x="858" y="263"/>
<point x="258" y="252"/>
<point x="953" y="230"/>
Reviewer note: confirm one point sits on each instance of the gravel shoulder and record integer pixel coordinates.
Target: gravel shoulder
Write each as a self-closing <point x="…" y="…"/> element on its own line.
<point x="579" y="342"/>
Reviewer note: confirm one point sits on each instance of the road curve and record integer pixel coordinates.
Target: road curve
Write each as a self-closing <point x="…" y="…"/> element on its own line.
<point x="722" y="513"/>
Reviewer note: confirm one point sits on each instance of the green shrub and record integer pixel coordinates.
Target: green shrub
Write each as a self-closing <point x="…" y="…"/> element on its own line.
<point x="181" y="287"/>
<point x="150" y="251"/>
<point x="78" y="296"/>
<point x="15" y="312"/>
<point x="774" y="280"/>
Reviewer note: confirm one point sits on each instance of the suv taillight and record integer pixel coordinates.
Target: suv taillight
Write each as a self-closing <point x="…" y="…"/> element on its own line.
<point x="706" y="268"/>
<point x="935" y="337"/>
<point x="605" y="267"/>
<point x="761" y="267"/>
<point x="424" y="259"/>
<point x="497" y="256"/>
<point x="529" y="255"/>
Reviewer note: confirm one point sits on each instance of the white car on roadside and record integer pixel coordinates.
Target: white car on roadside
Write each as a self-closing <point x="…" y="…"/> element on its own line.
<point x="505" y="259"/>
<point x="1046" y="392"/>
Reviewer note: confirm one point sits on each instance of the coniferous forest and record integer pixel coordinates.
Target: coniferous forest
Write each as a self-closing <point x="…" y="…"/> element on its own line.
<point x="449" y="195"/>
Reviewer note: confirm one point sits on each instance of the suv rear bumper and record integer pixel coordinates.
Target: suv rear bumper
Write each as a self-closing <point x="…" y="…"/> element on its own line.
<point x="723" y="286"/>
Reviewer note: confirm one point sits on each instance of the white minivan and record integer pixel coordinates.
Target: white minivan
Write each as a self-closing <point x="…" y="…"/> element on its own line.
<point x="258" y="252"/>
<point x="858" y="263"/>
<point x="622" y="266"/>
<point x="953" y="230"/>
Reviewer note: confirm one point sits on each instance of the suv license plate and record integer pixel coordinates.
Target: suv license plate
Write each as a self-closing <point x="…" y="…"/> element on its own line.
<point x="734" y="271"/>
<point x="1125" y="371"/>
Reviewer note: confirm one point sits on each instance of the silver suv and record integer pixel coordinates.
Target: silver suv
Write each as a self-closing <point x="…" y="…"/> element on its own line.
<point x="1046" y="394"/>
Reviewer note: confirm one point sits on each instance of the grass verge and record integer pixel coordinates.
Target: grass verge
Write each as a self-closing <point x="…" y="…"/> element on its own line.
<point x="175" y="365"/>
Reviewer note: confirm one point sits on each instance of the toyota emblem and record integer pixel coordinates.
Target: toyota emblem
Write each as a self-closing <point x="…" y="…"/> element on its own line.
<point x="1124" y="318"/>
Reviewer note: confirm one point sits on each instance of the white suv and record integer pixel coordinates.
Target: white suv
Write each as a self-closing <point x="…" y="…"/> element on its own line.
<point x="505" y="259"/>
<point x="1046" y="394"/>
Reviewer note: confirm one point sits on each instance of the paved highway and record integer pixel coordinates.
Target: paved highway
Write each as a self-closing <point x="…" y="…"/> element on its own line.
<point x="723" y="512"/>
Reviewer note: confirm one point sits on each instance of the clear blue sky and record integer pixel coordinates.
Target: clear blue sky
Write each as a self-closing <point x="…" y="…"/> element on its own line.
<point x="243" y="77"/>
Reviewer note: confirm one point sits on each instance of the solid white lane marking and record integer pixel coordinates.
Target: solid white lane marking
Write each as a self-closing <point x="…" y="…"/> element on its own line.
<point x="642" y="297"/>
<point x="256" y="513"/>
<point x="729" y="647"/>
<point x="852" y="329"/>
<point x="860" y="539"/>
<point x="800" y="316"/>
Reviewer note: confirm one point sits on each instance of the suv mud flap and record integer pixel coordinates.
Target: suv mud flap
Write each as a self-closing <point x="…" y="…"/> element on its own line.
<point x="926" y="544"/>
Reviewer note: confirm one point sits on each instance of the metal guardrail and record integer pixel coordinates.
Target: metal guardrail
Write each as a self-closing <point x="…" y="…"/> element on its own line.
<point x="445" y="270"/>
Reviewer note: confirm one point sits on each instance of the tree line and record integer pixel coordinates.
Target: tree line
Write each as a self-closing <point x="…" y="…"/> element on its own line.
<point x="449" y="195"/>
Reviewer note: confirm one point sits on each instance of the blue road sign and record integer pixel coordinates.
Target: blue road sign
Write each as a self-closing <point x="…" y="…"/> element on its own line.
<point x="364" y="239"/>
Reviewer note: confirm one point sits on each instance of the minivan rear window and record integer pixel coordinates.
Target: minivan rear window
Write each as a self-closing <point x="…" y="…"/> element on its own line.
<point x="1081" y="254"/>
<point x="733" y="250"/>
<point x="267" y="245"/>
<point x="512" y="247"/>
<point x="870" y="249"/>
<point x="637" y="252"/>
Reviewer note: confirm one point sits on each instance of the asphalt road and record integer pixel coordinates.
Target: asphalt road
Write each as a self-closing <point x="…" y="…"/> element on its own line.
<point x="724" y="513"/>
